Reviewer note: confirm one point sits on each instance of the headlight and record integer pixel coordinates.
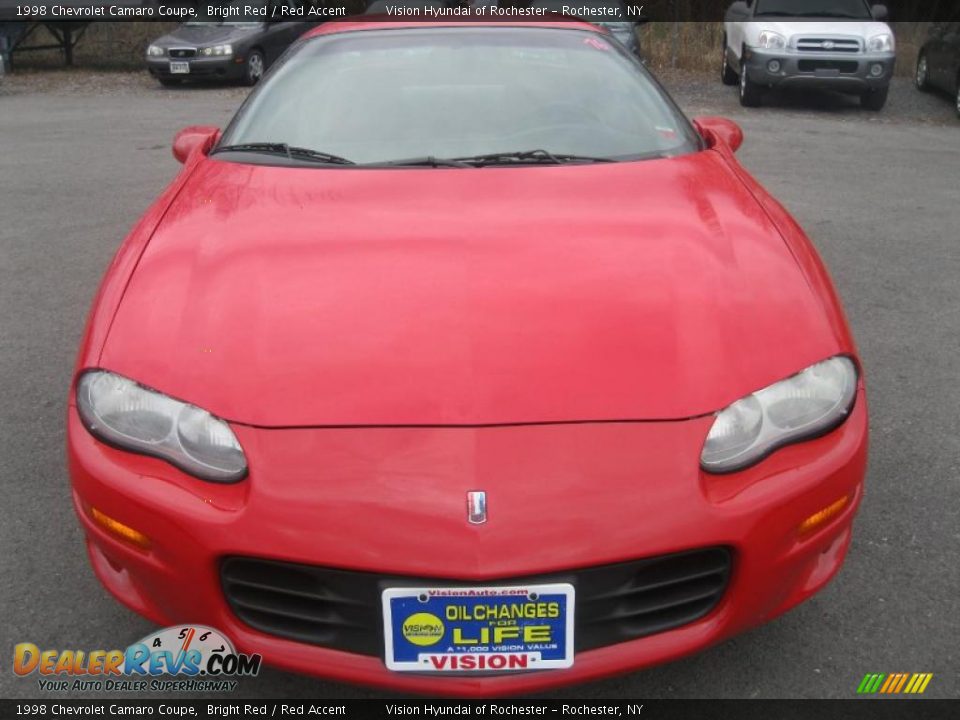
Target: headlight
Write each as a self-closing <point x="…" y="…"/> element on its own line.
<point x="155" y="51"/>
<point x="880" y="43"/>
<point x="770" y="40"/>
<point x="122" y="413"/>
<point x="217" y="50"/>
<point x="808" y="404"/>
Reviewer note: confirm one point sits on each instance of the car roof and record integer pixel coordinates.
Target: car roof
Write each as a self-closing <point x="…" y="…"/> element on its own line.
<point x="374" y="22"/>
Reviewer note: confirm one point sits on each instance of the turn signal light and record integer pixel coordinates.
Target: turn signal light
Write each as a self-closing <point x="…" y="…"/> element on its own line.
<point x="119" y="530"/>
<point x="824" y="516"/>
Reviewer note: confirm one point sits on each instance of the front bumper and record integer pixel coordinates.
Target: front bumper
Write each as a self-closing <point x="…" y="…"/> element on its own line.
<point x="392" y="501"/>
<point x="845" y="72"/>
<point x="201" y="68"/>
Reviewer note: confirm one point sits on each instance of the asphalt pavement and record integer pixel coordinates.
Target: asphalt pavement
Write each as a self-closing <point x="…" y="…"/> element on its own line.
<point x="81" y="159"/>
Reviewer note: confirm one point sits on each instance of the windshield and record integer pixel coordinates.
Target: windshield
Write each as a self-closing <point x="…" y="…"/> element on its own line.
<point x="854" y="9"/>
<point x="211" y="14"/>
<point x="379" y="96"/>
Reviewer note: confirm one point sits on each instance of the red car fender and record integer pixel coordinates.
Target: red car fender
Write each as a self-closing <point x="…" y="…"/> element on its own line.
<point x="799" y="244"/>
<point x="124" y="263"/>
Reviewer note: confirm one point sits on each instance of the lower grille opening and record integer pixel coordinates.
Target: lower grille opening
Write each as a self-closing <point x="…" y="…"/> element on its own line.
<point x="341" y="609"/>
<point x="843" y="66"/>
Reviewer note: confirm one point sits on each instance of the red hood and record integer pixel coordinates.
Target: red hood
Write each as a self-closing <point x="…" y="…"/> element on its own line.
<point x="651" y="290"/>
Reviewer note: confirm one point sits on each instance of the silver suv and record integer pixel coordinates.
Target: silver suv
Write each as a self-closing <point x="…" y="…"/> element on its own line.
<point x="839" y="45"/>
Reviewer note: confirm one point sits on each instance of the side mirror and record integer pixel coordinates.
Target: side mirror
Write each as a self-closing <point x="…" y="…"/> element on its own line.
<point x="739" y="9"/>
<point x="880" y="12"/>
<point x="720" y="130"/>
<point x="193" y="137"/>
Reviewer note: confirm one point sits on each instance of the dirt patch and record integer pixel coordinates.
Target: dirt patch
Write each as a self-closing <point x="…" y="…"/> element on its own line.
<point x="700" y="93"/>
<point x="83" y="81"/>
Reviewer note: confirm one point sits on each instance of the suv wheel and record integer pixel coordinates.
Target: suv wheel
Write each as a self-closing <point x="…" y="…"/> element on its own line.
<point x="875" y="99"/>
<point x="750" y="92"/>
<point x="727" y="74"/>
<point x="923" y="73"/>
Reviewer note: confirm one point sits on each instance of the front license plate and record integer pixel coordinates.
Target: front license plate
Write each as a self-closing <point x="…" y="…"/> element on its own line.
<point x="479" y="629"/>
<point x="179" y="68"/>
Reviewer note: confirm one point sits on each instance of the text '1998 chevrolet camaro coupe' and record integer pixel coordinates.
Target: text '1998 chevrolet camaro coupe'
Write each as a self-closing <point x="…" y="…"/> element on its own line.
<point x="461" y="362"/>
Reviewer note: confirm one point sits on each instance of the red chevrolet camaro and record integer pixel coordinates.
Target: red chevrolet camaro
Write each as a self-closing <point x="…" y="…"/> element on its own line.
<point x="461" y="362"/>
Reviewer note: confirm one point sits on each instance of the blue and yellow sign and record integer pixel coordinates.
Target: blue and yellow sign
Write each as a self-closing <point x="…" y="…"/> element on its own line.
<point x="481" y="629"/>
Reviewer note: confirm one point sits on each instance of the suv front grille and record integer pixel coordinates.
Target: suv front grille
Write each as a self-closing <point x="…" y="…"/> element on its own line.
<point x="841" y="66"/>
<point x="341" y="609"/>
<point x="822" y="44"/>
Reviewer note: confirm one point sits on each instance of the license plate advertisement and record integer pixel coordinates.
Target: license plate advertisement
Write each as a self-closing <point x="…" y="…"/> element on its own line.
<point x="479" y="629"/>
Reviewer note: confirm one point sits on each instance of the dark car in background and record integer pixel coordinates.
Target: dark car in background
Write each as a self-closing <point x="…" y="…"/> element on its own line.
<point x="938" y="64"/>
<point x="239" y="49"/>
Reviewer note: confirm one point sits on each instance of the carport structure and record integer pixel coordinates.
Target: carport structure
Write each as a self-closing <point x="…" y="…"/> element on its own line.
<point x="14" y="37"/>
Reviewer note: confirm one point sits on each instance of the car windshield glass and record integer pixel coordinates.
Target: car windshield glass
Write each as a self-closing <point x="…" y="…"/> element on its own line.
<point x="854" y="9"/>
<point x="378" y="96"/>
<point x="208" y="14"/>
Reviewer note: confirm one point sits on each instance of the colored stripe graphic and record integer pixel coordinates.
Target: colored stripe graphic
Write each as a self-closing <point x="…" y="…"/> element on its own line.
<point x="894" y="683"/>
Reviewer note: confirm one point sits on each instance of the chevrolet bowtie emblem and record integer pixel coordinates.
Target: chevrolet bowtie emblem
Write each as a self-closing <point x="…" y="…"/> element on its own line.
<point x="476" y="507"/>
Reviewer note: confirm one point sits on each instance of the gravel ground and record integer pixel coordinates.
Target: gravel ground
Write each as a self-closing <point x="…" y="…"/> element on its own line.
<point x="698" y="93"/>
<point x="83" y="154"/>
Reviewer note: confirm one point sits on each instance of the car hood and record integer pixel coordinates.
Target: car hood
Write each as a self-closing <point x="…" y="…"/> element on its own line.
<point x="201" y="35"/>
<point x="305" y="296"/>
<point x="813" y="28"/>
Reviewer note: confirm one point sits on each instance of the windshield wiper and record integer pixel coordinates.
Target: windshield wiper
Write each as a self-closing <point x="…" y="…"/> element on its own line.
<point x="425" y="161"/>
<point x="291" y="151"/>
<point x="528" y="156"/>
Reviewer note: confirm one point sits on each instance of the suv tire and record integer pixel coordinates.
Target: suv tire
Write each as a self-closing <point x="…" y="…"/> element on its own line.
<point x="727" y="74"/>
<point x="750" y="93"/>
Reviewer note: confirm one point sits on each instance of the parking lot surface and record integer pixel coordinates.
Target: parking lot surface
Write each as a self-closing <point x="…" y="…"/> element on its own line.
<point x="82" y="155"/>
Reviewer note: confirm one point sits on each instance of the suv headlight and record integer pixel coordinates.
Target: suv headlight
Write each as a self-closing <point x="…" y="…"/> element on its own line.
<point x="155" y="51"/>
<point x="217" y="50"/>
<point x="880" y="43"/>
<point x="122" y="413"/>
<point x="806" y="405"/>
<point x="770" y="40"/>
